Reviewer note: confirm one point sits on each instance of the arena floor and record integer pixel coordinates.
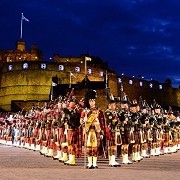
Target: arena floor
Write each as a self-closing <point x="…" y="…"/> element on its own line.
<point x="21" y="164"/>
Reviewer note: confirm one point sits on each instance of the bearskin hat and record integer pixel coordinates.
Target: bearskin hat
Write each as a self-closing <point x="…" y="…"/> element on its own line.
<point x="177" y="123"/>
<point x="134" y="117"/>
<point x="158" y="106"/>
<point x="122" y="116"/>
<point x="176" y="114"/>
<point x="90" y="94"/>
<point x="172" y="124"/>
<point x="143" y="119"/>
<point x="111" y="99"/>
<point x="133" y="104"/>
<point x="159" y="121"/>
<point x="164" y="120"/>
<point x="6" y="121"/>
<point x="151" y="120"/>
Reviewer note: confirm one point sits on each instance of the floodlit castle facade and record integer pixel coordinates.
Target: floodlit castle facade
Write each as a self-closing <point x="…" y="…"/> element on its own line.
<point x="26" y="78"/>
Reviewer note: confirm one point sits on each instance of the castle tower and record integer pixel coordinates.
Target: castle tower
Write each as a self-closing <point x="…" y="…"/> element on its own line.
<point x="21" y="45"/>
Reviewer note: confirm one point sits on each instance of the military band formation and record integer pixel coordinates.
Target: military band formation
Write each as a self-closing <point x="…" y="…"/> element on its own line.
<point x="66" y="129"/>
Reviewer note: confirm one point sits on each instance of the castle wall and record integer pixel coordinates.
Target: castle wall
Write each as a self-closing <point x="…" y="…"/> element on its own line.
<point x="165" y="96"/>
<point x="26" y="84"/>
<point x="34" y="84"/>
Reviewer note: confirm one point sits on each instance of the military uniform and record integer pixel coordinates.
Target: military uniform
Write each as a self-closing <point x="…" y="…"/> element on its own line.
<point x="72" y="122"/>
<point x="127" y="137"/>
<point x="174" y="134"/>
<point x="42" y="139"/>
<point x="92" y="128"/>
<point x="138" y="139"/>
<point x="37" y="135"/>
<point x="144" y="146"/>
<point x="59" y="132"/>
<point x="167" y="136"/>
<point x="114" y="136"/>
<point x="50" y="142"/>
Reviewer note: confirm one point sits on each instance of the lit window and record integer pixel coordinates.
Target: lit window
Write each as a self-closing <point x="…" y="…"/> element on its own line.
<point x="160" y="86"/>
<point x="77" y="69"/>
<point x="119" y="80"/>
<point x="8" y="59"/>
<point x="43" y="66"/>
<point x="130" y="81"/>
<point x="151" y="85"/>
<point x="141" y="83"/>
<point x="101" y="74"/>
<point x="61" y="67"/>
<point x="10" y="67"/>
<point x="25" y="66"/>
<point x="89" y="71"/>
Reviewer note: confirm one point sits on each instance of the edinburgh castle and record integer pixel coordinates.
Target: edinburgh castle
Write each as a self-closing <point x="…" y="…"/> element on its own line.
<point x="27" y="79"/>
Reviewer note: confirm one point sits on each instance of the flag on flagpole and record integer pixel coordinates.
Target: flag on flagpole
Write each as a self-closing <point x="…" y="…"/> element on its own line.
<point x="24" y="18"/>
<point x="72" y="74"/>
<point x="87" y="58"/>
<point x="106" y="79"/>
<point x="54" y="84"/>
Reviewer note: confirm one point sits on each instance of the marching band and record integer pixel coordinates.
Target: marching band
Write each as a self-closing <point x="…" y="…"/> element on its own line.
<point x="64" y="129"/>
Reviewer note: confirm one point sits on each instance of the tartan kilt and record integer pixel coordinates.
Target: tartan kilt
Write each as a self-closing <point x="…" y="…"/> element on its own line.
<point x="60" y="135"/>
<point x="79" y="142"/>
<point x="43" y="135"/>
<point x="55" y="137"/>
<point x="36" y="130"/>
<point x="126" y="137"/>
<point x="166" y="136"/>
<point x="111" y="139"/>
<point x="72" y="137"/>
<point x="137" y="137"/>
<point x="98" y="139"/>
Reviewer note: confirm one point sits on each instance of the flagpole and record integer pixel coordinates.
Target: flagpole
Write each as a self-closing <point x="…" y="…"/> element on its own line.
<point x="21" y="25"/>
<point x="69" y="79"/>
<point x="106" y="80"/>
<point x="85" y="70"/>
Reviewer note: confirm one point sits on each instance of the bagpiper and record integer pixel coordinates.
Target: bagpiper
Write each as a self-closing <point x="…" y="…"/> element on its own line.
<point x="93" y="131"/>
<point x="138" y="140"/>
<point x="58" y="129"/>
<point x="114" y="136"/>
<point x="71" y="117"/>
<point x="127" y="136"/>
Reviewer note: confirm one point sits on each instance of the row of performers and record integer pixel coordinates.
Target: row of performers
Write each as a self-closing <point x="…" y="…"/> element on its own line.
<point x="66" y="129"/>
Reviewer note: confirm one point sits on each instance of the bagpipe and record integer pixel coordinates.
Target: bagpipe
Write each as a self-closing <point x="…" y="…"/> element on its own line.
<point x="92" y="119"/>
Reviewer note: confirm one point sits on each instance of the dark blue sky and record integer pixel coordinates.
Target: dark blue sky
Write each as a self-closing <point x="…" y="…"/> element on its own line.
<point x="136" y="37"/>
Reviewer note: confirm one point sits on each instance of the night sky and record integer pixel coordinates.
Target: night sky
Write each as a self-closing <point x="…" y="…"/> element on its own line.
<point x="136" y="37"/>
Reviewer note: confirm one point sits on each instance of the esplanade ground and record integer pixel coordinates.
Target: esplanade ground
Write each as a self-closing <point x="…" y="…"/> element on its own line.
<point x="20" y="164"/>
